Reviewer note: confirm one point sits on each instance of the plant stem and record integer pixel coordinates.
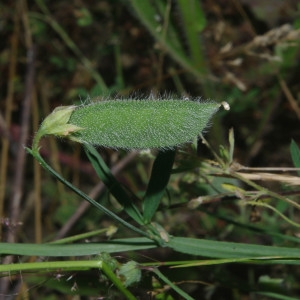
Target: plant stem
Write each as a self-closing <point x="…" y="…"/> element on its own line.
<point x="52" y="266"/>
<point x="264" y="190"/>
<point x="63" y="266"/>
<point x="116" y="281"/>
<point x="259" y="203"/>
<point x="172" y="285"/>
<point x="37" y="156"/>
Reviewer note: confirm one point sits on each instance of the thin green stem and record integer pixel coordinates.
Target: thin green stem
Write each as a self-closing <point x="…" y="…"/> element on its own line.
<point x="37" y="156"/>
<point x="116" y="281"/>
<point x="52" y="266"/>
<point x="82" y="236"/>
<point x="63" y="266"/>
<point x="217" y="157"/>
<point x="264" y="190"/>
<point x="171" y="284"/>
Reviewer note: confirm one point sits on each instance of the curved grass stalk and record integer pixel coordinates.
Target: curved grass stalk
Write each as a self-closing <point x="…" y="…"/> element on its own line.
<point x="258" y="203"/>
<point x="264" y="190"/>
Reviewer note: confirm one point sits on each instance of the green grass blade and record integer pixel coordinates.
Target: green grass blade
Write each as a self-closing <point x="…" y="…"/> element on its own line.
<point x="54" y="250"/>
<point x="112" y="184"/>
<point x="218" y="249"/>
<point x="275" y="296"/>
<point x="295" y="153"/>
<point x="159" y="179"/>
<point x="84" y="236"/>
<point x="257" y="260"/>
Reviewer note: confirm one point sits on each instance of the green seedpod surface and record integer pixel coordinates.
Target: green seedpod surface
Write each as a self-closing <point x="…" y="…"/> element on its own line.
<point x="141" y="124"/>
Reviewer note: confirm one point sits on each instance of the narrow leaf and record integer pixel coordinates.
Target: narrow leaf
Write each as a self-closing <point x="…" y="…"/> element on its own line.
<point x="219" y="249"/>
<point x="271" y="295"/>
<point x="159" y="179"/>
<point x="53" y="250"/>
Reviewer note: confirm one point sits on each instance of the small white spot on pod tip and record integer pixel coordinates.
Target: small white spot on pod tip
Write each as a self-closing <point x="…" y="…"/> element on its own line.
<point x="225" y="105"/>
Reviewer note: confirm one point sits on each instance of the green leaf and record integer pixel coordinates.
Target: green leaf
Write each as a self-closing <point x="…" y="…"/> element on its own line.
<point x="112" y="184"/>
<point x="295" y="153"/>
<point x="53" y="250"/>
<point x="190" y="246"/>
<point x="218" y="249"/>
<point x="159" y="179"/>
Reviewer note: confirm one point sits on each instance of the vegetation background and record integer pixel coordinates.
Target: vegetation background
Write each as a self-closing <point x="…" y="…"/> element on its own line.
<point x="55" y="53"/>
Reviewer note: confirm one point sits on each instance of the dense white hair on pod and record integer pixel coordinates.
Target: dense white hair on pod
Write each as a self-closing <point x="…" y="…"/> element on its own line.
<point x="153" y="122"/>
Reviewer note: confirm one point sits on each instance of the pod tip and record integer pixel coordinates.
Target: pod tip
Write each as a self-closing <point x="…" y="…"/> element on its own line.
<point x="225" y="105"/>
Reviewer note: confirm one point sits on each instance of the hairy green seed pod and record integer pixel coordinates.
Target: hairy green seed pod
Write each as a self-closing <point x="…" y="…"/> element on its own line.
<point x="141" y="124"/>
